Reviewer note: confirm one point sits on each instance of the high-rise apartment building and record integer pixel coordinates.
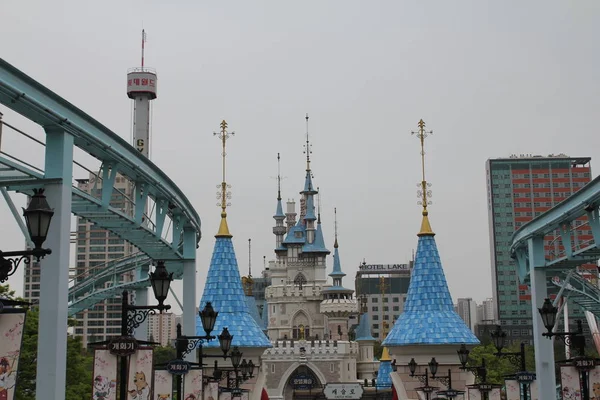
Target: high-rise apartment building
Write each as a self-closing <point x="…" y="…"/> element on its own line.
<point x="162" y="328"/>
<point x="95" y="248"/>
<point x="467" y="309"/>
<point x="520" y="188"/>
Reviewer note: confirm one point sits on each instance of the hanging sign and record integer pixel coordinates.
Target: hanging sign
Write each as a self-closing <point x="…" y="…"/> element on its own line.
<point x="123" y="346"/>
<point x="178" y="367"/>
<point x="163" y="385"/>
<point x="569" y="378"/>
<point x="139" y="382"/>
<point x="11" y="337"/>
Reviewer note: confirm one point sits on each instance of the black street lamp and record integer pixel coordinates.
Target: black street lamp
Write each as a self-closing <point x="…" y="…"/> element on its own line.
<point x="133" y="316"/>
<point x="581" y="362"/>
<point x="423" y="378"/>
<point x="517" y="359"/>
<point x="186" y="344"/>
<point x="38" y="215"/>
<point x="444" y="380"/>
<point x="480" y="372"/>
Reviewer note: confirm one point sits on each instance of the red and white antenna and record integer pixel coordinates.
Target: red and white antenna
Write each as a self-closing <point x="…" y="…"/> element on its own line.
<point x="143" y="41"/>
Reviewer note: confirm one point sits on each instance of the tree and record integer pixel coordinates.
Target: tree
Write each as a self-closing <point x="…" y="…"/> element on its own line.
<point x="499" y="367"/>
<point x="377" y="350"/>
<point x="79" y="362"/>
<point x="164" y="354"/>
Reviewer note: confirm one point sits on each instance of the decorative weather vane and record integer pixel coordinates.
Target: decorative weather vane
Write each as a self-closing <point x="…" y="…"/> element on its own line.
<point x="223" y="194"/>
<point x="249" y="258"/>
<point x="424" y="193"/>
<point x="318" y="205"/>
<point x="278" y="177"/>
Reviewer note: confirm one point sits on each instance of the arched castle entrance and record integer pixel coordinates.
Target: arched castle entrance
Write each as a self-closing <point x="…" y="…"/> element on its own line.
<point x="303" y="384"/>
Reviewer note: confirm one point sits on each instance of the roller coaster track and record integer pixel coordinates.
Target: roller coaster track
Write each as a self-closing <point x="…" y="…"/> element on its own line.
<point x="173" y="212"/>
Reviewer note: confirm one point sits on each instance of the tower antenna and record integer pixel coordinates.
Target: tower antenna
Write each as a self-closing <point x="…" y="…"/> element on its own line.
<point x="424" y="193"/>
<point x="143" y="41"/>
<point x="224" y="195"/>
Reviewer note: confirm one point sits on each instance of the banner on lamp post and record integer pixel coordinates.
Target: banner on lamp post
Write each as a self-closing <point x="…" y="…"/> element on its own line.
<point x="569" y="380"/>
<point x="513" y="389"/>
<point x="533" y="391"/>
<point x="163" y="385"/>
<point x="139" y="381"/>
<point x="192" y="385"/>
<point x="11" y="337"/>
<point x="104" y="375"/>
<point x="212" y="391"/>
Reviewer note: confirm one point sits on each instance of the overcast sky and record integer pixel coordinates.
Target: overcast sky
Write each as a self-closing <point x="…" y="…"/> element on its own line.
<point x="490" y="78"/>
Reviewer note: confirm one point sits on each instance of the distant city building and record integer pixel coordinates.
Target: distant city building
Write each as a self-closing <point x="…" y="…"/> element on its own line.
<point x="162" y="328"/>
<point x="520" y="188"/>
<point x="467" y="309"/>
<point x="95" y="248"/>
<point x="381" y="290"/>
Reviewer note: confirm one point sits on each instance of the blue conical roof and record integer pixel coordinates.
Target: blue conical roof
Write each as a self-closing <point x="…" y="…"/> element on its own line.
<point x="384" y="378"/>
<point x="318" y="245"/>
<point x="265" y="317"/>
<point x="310" y="209"/>
<point x="253" y="309"/>
<point x="363" y="332"/>
<point x="337" y="265"/>
<point x="223" y="289"/>
<point x="308" y="185"/>
<point x="429" y="316"/>
<point x="279" y="212"/>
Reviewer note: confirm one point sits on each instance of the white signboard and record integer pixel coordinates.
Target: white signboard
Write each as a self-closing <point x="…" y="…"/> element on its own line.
<point x="384" y="267"/>
<point x="335" y="391"/>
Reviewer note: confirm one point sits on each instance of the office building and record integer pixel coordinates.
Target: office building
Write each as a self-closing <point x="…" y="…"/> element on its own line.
<point x="381" y="290"/>
<point x="520" y="188"/>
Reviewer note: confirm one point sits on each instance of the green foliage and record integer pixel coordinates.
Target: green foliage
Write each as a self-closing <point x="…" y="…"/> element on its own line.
<point x="377" y="350"/>
<point x="164" y="354"/>
<point x="6" y="293"/>
<point x="499" y="367"/>
<point x="79" y="362"/>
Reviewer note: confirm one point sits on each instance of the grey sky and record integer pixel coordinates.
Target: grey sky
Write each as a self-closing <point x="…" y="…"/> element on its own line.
<point x="490" y="78"/>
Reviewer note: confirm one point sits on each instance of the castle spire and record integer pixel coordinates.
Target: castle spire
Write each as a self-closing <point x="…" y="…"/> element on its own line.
<point x="335" y="243"/>
<point x="307" y="148"/>
<point x="279" y="229"/>
<point x="424" y="193"/>
<point x="224" y="194"/>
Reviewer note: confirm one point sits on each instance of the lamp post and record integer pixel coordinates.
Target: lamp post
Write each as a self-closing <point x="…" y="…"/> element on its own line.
<point x="38" y="215"/>
<point x="444" y="380"/>
<point x="480" y="372"/>
<point x="133" y="316"/>
<point x="581" y="362"/>
<point x="523" y="376"/>
<point x="423" y="378"/>
<point x="186" y="344"/>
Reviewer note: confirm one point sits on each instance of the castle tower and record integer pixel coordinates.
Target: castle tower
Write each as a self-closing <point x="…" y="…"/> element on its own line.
<point x="338" y="303"/>
<point x="429" y="326"/>
<point x="365" y="365"/>
<point x="223" y="289"/>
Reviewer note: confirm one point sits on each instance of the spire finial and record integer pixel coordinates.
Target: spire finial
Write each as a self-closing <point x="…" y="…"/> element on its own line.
<point x="224" y="194"/>
<point x="318" y="205"/>
<point x="335" y="244"/>
<point x="424" y="193"/>
<point x="278" y="177"/>
<point x="307" y="147"/>
<point x="249" y="258"/>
